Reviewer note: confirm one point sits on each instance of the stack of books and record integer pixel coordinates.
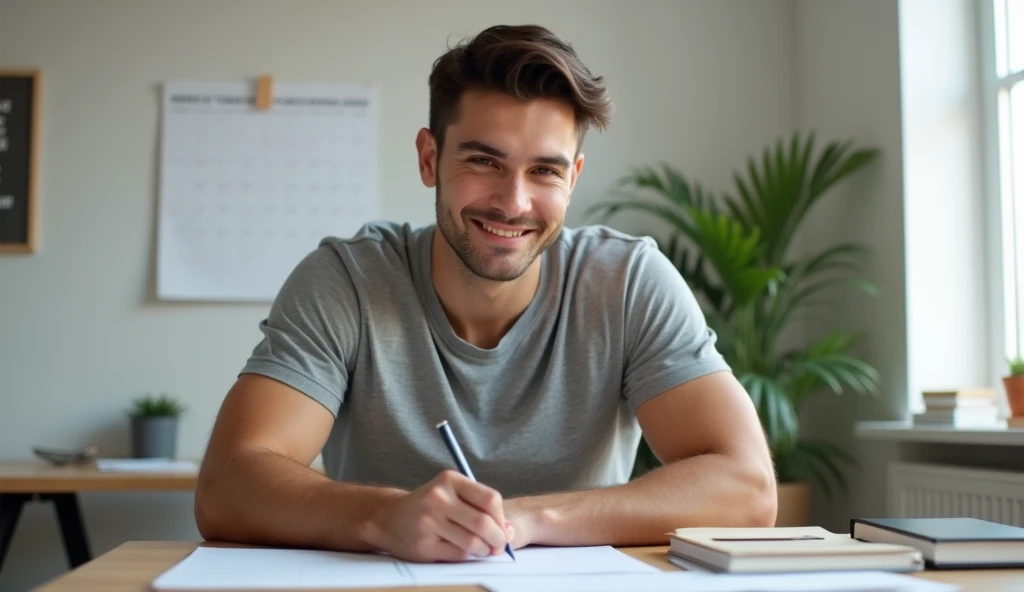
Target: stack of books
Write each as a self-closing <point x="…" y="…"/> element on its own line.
<point x="948" y="543"/>
<point x="960" y="408"/>
<point x="785" y="549"/>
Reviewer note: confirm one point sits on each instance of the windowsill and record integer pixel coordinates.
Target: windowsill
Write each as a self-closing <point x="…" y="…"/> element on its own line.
<point x="906" y="431"/>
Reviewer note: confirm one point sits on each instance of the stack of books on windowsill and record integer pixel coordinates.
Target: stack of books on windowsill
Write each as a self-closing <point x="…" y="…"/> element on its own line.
<point x="960" y="408"/>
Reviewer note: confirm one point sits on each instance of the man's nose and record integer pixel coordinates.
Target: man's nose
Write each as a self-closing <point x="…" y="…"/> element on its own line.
<point x="514" y="196"/>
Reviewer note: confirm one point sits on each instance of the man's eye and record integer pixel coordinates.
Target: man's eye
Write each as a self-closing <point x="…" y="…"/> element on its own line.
<point x="547" y="171"/>
<point x="480" y="160"/>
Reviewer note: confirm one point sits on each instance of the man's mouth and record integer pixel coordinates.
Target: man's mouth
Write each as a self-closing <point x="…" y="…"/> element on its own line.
<point x="502" y="232"/>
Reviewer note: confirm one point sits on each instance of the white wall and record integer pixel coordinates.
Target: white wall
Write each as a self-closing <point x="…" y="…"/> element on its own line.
<point x="697" y="84"/>
<point x="849" y="87"/>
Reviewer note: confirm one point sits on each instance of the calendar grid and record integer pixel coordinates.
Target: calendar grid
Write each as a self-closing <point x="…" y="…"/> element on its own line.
<point x="245" y="194"/>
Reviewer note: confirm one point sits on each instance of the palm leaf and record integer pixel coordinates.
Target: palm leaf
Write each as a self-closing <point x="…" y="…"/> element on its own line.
<point x="824" y="458"/>
<point x="774" y="408"/>
<point x="844" y="256"/>
<point x="681" y="191"/>
<point x="749" y="210"/>
<point x="691" y="266"/>
<point x="733" y="254"/>
<point x="838" y="166"/>
<point x="777" y="196"/>
<point x="826" y="364"/>
<point x="668" y="184"/>
<point x="802" y="292"/>
<point x="675" y="216"/>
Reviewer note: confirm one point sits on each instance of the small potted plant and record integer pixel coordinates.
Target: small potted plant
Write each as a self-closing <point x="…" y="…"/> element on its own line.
<point x="154" y="426"/>
<point x="1014" y="385"/>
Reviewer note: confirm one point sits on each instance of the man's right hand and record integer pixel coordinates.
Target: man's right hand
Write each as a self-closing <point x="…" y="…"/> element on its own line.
<point x="448" y="519"/>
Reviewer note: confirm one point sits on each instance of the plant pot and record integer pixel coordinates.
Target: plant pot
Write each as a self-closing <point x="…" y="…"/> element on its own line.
<point x="794" y="504"/>
<point x="1014" y="386"/>
<point x="154" y="437"/>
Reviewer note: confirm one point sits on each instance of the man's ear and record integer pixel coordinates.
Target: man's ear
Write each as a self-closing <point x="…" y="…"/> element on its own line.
<point x="577" y="169"/>
<point x="426" y="148"/>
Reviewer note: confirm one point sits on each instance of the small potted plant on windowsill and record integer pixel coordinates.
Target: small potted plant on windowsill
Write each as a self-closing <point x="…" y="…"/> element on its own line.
<point x="154" y="426"/>
<point x="1014" y="385"/>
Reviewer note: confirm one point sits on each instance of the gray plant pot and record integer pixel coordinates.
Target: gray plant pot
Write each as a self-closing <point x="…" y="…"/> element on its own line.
<point x="154" y="437"/>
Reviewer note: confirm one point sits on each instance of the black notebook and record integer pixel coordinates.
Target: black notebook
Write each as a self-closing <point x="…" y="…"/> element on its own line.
<point x="948" y="543"/>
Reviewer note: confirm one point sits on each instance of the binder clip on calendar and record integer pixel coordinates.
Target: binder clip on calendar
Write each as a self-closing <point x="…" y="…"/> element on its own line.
<point x="264" y="92"/>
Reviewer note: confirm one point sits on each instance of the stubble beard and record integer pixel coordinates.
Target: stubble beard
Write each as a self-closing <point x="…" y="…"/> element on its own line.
<point x="477" y="262"/>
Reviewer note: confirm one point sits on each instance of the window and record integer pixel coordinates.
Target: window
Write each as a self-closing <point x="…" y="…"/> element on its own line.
<point x="1003" y="80"/>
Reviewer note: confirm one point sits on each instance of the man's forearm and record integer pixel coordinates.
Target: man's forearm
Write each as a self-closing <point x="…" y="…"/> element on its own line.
<point x="705" y="490"/>
<point x="260" y="497"/>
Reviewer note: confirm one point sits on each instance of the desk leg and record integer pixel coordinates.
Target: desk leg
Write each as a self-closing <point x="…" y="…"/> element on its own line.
<point x="71" y="527"/>
<point x="10" y="510"/>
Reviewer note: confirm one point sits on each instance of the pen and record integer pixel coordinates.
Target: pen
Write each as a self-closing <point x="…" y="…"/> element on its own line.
<point x="460" y="460"/>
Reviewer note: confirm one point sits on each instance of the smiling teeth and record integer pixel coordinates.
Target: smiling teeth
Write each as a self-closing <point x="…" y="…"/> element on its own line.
<point x="505" y="233"/>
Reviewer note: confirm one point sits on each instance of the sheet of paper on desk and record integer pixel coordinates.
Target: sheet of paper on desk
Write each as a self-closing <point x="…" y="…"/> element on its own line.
<point x="533" y="561"/>
<point x="211" y="568"/>
<point x="144" y="465"/>
<point x="706" y="582"/>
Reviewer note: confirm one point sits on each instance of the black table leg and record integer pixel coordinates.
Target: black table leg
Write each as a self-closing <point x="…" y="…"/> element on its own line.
<point x="10" y="510"/>
<point x="71" y="527"/>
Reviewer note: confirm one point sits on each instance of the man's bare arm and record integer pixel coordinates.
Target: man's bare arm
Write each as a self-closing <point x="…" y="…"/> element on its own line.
<point x="717" y="472"/>
<point x="256" y="486"/>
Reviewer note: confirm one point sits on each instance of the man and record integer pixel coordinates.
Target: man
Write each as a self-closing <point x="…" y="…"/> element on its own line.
<point x="548" y="350"/>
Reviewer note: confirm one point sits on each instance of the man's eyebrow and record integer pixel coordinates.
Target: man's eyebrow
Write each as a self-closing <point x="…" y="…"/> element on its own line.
<point x="478" y="146"/>
<point x="557" y="160"/>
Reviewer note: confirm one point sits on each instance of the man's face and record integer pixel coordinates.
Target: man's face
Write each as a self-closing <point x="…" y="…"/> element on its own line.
<point x="503" y="180"/>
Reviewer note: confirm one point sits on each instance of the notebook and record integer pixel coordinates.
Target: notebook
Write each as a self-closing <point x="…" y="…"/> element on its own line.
<point x="951" y="543"/>
<point x="786" y="549"/>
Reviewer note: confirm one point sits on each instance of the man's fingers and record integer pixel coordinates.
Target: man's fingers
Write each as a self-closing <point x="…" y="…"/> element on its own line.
<point x="466" y="541"/>
<point x="482" y="497"/>
<point x="479" y="524"/>
<point x="446" y="551"/>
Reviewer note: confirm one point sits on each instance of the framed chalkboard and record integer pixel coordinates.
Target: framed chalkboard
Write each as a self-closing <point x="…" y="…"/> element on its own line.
<point x="19" y="160"/>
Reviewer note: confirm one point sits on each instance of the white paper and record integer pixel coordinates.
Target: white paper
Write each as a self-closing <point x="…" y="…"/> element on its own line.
<point x="534" y="561"/>
<point x="704" y="582"/>
<point x="145" y="465"/>
<point x="245" y="194"/>
<point x="209" y="568"/>
<point x="233" y="568"/>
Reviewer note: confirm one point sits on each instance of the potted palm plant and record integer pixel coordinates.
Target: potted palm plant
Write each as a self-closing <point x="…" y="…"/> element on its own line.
<point x="154" y="426"/>
<point x="735" y="252"/>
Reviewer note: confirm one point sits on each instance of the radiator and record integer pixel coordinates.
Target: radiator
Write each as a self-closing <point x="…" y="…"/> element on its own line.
<point x="940" y="491"/>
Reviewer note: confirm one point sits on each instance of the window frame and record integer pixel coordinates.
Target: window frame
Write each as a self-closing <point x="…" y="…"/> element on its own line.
<point x="1005" y="223"/>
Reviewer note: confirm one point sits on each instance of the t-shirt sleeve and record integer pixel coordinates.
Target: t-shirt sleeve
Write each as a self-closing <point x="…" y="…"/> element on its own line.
<point x="668" y="341"/>
<point x="312" y="330"/>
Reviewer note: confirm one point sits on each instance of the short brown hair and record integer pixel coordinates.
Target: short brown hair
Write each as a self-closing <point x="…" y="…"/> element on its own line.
<point x="524" y="61"/>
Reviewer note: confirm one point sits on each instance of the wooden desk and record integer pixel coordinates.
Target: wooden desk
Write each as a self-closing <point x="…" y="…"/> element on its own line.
<point x="132" y="566"/>
<point x="22" y="481"/>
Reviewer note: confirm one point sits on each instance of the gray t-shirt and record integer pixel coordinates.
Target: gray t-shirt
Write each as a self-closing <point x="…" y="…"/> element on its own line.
<point x="358" y="327"/>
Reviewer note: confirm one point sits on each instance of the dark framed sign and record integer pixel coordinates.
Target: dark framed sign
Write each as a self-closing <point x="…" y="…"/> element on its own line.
<point x="19" y="159"/>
